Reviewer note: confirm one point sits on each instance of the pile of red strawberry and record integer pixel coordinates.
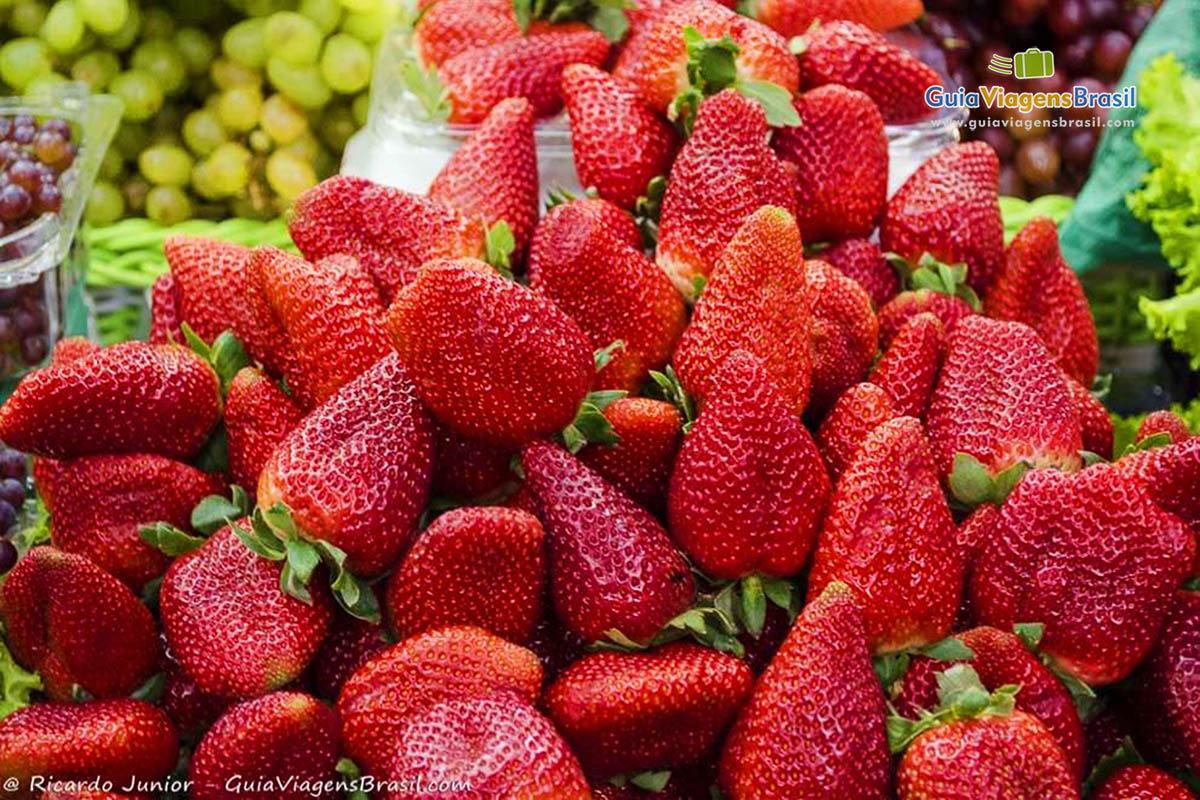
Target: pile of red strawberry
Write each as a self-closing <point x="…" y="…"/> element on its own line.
<point x="642" y="521"/>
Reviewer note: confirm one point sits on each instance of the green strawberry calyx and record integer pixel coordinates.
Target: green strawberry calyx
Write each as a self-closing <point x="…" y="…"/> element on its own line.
<point x="606" y="16"/>
<point x="972" y="484"/>
<point x="498" y="246"/>
<point x="1083" y="696"/>
<point x="667" y="386"/>
<point x="426" y="86"/>
<point x="210" y="515"/>
<point x="590" y="426"/>
<point x="937" y="276"/>
<point x="225" y="355"/>
<point x="892" y="667"/>
<point x="961" y="696"/>
<point x="1125" y="755"/>
<point x="653" y="781"/>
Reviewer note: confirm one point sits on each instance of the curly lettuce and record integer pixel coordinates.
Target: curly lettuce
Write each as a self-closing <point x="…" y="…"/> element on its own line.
<point x="16" y="684"/>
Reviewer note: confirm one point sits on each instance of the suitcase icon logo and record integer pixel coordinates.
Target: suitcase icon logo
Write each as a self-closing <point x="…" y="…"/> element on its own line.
<point x="1032" y="63"/>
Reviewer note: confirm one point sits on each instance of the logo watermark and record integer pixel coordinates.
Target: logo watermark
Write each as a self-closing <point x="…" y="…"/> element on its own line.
<point x="1032" y="63"/>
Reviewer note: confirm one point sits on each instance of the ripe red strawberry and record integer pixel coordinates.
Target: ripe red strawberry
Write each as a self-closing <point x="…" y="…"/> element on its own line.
<point x="612" y="566"/>
<point x="1037" y="287"/>
<point x="355" y="473"/>
<point x="908" y="368"/>
<point x="948" y="309"/>
<point x="131" y="397"/>
<point x="391" y="232"/>
<point x="76" y="625"/>
<point x="749" y="488"/>
<point x="862" y="260"/>
<point x="980" y="526"/>
<point x="258" y="416"/>
<point x="649" y="433"/>
<point x="1001" y="399"/>
<point x="1095" y="424"/>
<point x="845" y="333"/>
<point x="106" y="740"/>
<point x="209" y="276"/>
<point x="613" y="291"/>
<point x="497" y="744"/>
<point x="724" y="173"/>
<point x="1172" y="476"/>
<point x="783" y="744"/>
<point x="494" y="361"/>
<point x="618" y="221"/>
<point x="530" y="67"/>
<point x="465" y="470"/>
<point x="494" y="174"/>
<point x="1167" y="422"/>
<point x="661" y="69"/>
<point x="853" y="55"/>
<point x="890" y="537"/>
<point x="351" y="643"/>
<point x="479" y="566"/>
<point x="949" y="208"/>
<point x="628" y="712"/>
<point x="414" y="675"/>
<point x="230" y="625"/>
<point x="618" y="141"/>
<point x="758" y="301"/>
<point x="1001" y="659"/>
<point x="280" y="737"/>
<point x="861" y="408"/>
<point x="1165" y="690"/>
<point x="794" y="17"/>
<point x="841" y="157"/>
<point x="449" y="27"/>
<point x="99" y="502"/>
<point x="71" y="348"/>
<point x="165" y="316"/>
<point x="191" y="709"/>
<point x="1141" y="782"/>
<point x="1093" y="559"/>
<point x="331" y="316"/>
<point x="1104" y="733"/>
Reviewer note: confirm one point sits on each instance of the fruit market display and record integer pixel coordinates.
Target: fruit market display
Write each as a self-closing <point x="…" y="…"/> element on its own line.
<point x="732" y="477"/>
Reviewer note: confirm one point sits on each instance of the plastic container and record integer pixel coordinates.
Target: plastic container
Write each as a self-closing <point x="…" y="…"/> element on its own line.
<point x="40" y="266"/>
<point x="910" y="146"/>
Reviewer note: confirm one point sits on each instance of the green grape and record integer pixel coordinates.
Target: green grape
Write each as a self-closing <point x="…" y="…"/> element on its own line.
<point x="131" y="139"/>
<point x="281" y="119"/>
<point x="27" y="18"/>
<point x="22" y="60"/>
<point x="259" y="141"/>
<point x="360" y="6"/>
<point x="370" y="25"/>
<point x="302" y="84"/>
<point x="105" y="204"/>
<point x="111" y="164"/>
<point x="124" y="37"/>
<point x="203" y="132"/>
<point x="44" y="85"/>
<point x="361" y="107"/>
<point x="104" y="16"/>
<point x="294" y="38"/>
<point x="346" y="64"/>
<point x="227" y="73"/>
<point x="140" y="92"/>
<point x="265" y="8"/>
<point x="158" y="57"/>
<point x="165" y="165"/>
<point x="337" y="126"/>
<point x="326" y="13"/>
<point x="62" y="29"/>
<point x="168" y="205"/>
<point x="305" y="147"/>
<point x="244" y="43"/>
<point x="157" y="23"/>
<point x="96" y="68"/>
<point x="225" y="173"/>
<point x="289" y="176"/>
<point x="196" y="48"/>
<point x="168" y="122"/>
<point x="238" y="107"/>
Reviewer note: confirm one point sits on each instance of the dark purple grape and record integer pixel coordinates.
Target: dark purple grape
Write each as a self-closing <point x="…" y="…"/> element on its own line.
<point x="12" y="464"/>
<point x="1092" y="85"/>
<point x="1077" y="55"/>
<point x="1102" y="13"/>
<point x="24" y="119"/>
<point x="1010" y="182"/>
<point x="12" y="491"/>
<point x="8" y="551"/>
<point x="33" y="350"/>
<point x="1078" y="145"/>
<point x="1022" y="12"/>
<point x="1112" y="51"/>
<point x="23" y="134"/>
<point x="25" y="173"/>
<point x="8" y="297"/>
<point x="1000" y="141"/>
<point x="14" y="202"/>
<point x="1135" y="19"/>
<point x="48" y="197"/>
<point x="27" y="322"/>
<point x="49" y="174"/>
<point x="68" y="157"/>
<point x="59" y="126"/>
<point x="1066" y="18"/>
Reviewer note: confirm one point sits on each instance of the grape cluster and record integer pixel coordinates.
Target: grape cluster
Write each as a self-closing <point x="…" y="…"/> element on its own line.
<point x="231" y="108"/>
<point x="32" y="157"/>
<point x="1090" y="40"/>
<point x="12" y="497"/>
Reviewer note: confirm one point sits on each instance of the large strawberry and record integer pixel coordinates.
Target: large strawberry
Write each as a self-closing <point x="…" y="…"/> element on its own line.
<point x="419" y="672"/>
<point x="497" y="744"/>
<point x="724" y="173"/>
<point x="258" y="416"/>
<point x="480" y="566"/>
<point x="613" y="291"/>
<point x="648" y="434"/>
<point x="1172" y="476"/>
<point x="1001" y="400"/>
<point x="165" y="316"/>
<point x="76" y="625"/>
<point x="121" y="741"/>
<point x="1142" y="782"/>
<point x="861" y="408"/>
<point x="132" y="397"/>
<point x="845" y="333"/>
<point x="1091" y="557"/>
<point x="749" y="488"/>
<point x="628" y="712"/>
<point x="947" y="307"/>
<point x="208" y="277"/>
<point x="446" y="28"/>
<point x="465" y="469"/>
<point x="783" y="744"/>
<point x="908" y="368"/>
<point x="862" y="260"/>
<point x="1038" y="287"/>
<point x="230" y="625"/>
<point x="99" y="503"/>
<point x="612" y="566"/>
<point x="391" y="232"/>
<point x="853" y="55"/>
<point x="758" y="301"/>
<point x="1095" y="424"/>
<point x="794" y="17"/>
<point x="619" y="142"/>
<point x="949" y="208"/>
<point x="841" y="158"/>
<point x="494" y="174"/>
<point x="1164" y="421"/>
<point x="890" y="537"/>
<point x="267" y="741"/>
<point x="331" y="316"/>
<point x="493" y="360"/>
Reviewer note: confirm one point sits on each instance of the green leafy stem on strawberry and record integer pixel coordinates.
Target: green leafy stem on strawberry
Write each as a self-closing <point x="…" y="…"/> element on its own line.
<point x="892" y="667"/>
<point x="590" y="426"/>
<point x="961" y="695"/>
<point x="606" y="16"/>
<point x="936" y="276"/>
<point x="210" y="515"/>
